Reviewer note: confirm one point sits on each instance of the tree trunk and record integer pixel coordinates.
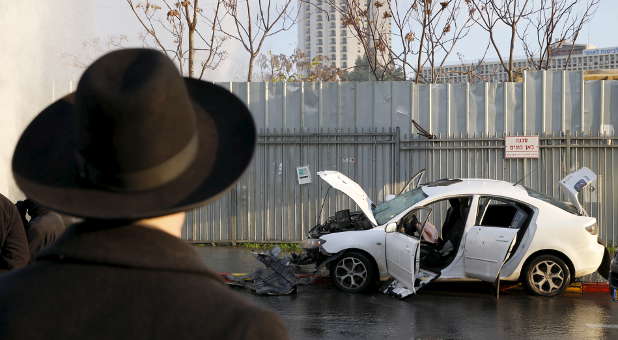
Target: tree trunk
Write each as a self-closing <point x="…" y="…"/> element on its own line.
<point x="420" y="47"/>
<point x="250" y="72"/>
<point x="191" y="51"/>
<point x="511" y="50"/>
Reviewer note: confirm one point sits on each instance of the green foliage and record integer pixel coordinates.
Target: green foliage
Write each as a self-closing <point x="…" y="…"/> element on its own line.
<point x="362" y="72"/>
<point x="297" y="67"/>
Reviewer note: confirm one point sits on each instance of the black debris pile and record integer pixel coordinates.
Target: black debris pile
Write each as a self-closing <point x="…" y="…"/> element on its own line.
<point x="277" y="278"/>
<point x="305" y="262"/>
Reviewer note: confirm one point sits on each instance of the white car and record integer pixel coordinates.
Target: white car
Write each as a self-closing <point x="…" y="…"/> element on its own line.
<point x="471" y="229"/>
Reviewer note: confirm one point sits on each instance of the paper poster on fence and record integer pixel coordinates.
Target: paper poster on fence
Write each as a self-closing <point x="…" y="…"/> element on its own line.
<point x="521" y="147"/>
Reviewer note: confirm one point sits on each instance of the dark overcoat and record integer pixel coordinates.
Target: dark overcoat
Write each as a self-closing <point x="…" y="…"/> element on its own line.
<point x="44" y="228"/>
<point x="125" y="282"/>
<point x="14" y="251"/>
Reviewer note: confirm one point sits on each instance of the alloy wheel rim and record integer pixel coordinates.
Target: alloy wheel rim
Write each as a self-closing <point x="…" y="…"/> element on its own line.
<point x="350" y="272"/>
<point x="547" y="277"/>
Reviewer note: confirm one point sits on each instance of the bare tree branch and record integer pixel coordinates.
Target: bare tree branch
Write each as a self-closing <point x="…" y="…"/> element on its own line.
<point x="173" y="28"/>
<point x="252" y="31"/>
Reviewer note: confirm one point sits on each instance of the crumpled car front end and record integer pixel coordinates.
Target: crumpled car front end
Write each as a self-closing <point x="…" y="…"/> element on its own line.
<point x="344" y="220"/>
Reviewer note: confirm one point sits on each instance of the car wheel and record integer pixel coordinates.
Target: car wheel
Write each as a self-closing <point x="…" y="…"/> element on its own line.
<point x="547" y="275"/>
<point x="353" y="272"/>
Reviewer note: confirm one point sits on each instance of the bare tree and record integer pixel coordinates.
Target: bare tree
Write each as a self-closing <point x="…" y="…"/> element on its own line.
<point x="442" y="27"/>
<point x="472" y="71"/>
<point x="184" y="31"/>
<point x="490" y="13"/>
<point x="555" y="23"/>
<point x="425" y="33"/>
<point x="298" y="67"/>
<point x="367" y="20"/>
<point x="253" y="23"/>
<point x="93" y="48"/>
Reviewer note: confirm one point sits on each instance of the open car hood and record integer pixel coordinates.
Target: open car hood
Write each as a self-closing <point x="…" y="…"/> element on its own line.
<point x="344" y="184"/>
<point x="575" y="182"/>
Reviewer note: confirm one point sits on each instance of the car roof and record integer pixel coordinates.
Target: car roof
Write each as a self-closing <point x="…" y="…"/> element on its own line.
<point x="471" y="186"/>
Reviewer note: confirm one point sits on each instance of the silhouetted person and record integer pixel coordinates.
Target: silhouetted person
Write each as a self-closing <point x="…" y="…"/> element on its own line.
<point x="130" y="151"/>
<point x="14" y="252"/>
<point x="44" y="227"/>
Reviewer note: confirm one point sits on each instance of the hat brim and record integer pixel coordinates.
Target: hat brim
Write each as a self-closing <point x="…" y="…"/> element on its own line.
<point x="44" y="162"/>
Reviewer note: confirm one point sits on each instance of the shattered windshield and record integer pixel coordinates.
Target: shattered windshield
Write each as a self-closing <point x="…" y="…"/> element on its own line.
<point x="562" y="205"/>
<point x="387" y="210"/>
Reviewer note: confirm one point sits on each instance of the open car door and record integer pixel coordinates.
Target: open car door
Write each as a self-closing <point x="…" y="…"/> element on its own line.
<point x="486" y="249"/>
<point x="403" y="251"/>
<point x="401" y="256"/>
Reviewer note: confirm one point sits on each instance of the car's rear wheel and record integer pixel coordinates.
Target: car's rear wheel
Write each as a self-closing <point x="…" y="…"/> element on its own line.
<point x="547" y="275"/>
<point x="353" y="272"/>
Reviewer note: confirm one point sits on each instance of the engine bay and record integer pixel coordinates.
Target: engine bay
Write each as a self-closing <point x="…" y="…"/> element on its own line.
<point x="344" y="220"/>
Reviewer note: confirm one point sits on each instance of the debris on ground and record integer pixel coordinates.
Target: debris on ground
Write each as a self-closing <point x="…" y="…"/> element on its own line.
<point x="395" y="288"/>
<point x="304" y="262"/>
<point x="279" y="277"/>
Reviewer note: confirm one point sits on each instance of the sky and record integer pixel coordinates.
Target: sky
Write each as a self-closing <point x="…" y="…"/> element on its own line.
<point x="112" y="18"/>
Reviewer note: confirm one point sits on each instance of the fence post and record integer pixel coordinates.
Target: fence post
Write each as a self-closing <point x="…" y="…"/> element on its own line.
<point x="234" y="213"/>
<point x="568" y="153"/>
<point x="396" y="159"/>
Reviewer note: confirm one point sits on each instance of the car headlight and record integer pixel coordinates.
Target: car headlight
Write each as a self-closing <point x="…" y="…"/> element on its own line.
<point x="311" y="243"/>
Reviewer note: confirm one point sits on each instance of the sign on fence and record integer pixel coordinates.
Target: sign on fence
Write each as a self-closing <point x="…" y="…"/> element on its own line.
<point x="521" y="147"/>
<point x="304" y="175"/>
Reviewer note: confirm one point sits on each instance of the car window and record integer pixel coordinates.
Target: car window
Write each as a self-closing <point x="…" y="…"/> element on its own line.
<point x="562" y="205"/>
<point x="385" y="211"/>
<point x="494" y="212"/>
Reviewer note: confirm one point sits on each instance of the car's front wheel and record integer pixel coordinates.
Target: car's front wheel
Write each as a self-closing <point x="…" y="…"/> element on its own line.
<point x="353" y="272"/>
<point x="547" y="275"/>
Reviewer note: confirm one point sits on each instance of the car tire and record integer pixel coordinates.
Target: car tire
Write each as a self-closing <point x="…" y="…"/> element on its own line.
<point x="353" y="272"/>
<point x="547" y="275"/>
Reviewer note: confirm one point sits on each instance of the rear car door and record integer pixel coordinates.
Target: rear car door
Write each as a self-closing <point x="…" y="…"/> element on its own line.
<point x="489" y="242"/>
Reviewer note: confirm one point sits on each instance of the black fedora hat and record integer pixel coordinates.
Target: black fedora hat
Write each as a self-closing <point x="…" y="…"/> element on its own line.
<point x="134" y="140"/>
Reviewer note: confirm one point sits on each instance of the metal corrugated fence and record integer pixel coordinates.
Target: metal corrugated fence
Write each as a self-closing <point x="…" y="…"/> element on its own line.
<point x="268" y="204"/>
<point x="363" y="129"/>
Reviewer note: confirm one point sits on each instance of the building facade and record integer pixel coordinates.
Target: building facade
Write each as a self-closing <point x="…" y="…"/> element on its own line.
<point x="322" y="32"/>
<point x="583" y="58"/>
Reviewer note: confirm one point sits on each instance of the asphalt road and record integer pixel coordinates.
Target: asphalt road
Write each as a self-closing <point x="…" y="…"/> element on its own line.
<point x="444" y="311"/>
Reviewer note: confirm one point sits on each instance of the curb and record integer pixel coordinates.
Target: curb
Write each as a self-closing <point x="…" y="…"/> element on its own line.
<point x="577" y="287"/>
<point x="594" y="287"/>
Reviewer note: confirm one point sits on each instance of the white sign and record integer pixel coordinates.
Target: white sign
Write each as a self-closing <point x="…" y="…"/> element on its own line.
<point x="303" y="174"/>
<point x="521" y="147"/>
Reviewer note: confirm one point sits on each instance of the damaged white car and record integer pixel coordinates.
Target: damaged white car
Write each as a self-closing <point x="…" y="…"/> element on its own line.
<point x="460" y="229"/>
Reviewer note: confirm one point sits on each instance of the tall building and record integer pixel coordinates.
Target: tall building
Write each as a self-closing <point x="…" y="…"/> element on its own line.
<point x="321" y="31"/>
<point x="583" y="58"/>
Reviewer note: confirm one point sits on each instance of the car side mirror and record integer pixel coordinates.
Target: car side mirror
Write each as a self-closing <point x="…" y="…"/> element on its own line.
<point x="391" y="227"/>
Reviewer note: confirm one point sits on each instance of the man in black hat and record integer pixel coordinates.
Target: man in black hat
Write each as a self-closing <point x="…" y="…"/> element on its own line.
<point x="133" y="148"/>
<point x="14" y="251"/>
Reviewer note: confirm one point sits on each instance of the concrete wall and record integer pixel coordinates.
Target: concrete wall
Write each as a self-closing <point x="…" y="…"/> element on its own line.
<point x="34" y="70"/>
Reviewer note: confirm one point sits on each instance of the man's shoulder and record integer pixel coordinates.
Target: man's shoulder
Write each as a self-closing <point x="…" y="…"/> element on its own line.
<point x="6" y="206"/>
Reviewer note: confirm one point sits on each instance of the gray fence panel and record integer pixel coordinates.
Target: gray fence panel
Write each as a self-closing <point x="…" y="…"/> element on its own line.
<point x="363" y="129"/>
